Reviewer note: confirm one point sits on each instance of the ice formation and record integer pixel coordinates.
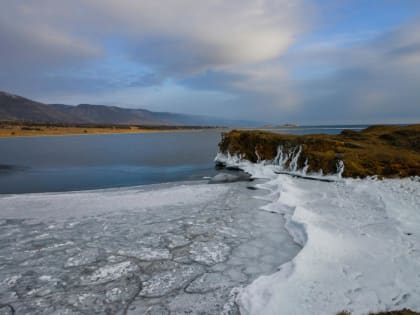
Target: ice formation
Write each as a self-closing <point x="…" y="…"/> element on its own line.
<point x="285" y="161"/>
<point x="360" y="238"/>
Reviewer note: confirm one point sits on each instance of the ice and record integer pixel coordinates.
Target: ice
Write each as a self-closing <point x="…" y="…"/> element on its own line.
<point x="361" y="245"/>
<point x="165" y="282"/>
<point x="209" y="282"/>
<point x="155" y="309"/>
<point x="178" y="241"/>
<point x="69" y="205"/>
<point x="285" y="162"/>
<point x="236" y="275"/>
<point x="174" y="248"/>
<point x="232" y="177"/>
<point x="147" y="254"/>
<point x="209" y="253"/>
<point x="197" y="304"/>
<point x="110" y="273"/>
<point x="86" y="257"/>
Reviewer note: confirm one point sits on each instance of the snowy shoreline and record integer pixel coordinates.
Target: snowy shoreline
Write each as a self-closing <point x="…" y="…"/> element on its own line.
<point x="360" y="238"/>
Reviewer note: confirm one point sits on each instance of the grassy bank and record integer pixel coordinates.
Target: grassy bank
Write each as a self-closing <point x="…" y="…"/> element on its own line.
<point x="386" y="151"/>
<point x="13" y="129"/>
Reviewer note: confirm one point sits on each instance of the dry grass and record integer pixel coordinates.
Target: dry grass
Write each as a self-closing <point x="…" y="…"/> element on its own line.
<point x="386" y="151"/>
<point x="25" y="130"/>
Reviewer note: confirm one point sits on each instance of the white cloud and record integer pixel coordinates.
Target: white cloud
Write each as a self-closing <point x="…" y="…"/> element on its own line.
<point x="230" y="32"/>
<point x="197" y="34"/>
<point x="175" y="38"/>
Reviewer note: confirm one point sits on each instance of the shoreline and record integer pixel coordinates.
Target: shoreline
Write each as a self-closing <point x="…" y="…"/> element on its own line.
<point x="101" y="132"/>
<point x="334" y="236"/>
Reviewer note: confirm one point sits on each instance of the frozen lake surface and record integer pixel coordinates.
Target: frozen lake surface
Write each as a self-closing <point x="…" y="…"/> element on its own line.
<point x="177" y="248"/>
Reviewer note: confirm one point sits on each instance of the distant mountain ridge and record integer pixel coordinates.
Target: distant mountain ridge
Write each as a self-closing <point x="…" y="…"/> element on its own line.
<point x="18" y="108"/>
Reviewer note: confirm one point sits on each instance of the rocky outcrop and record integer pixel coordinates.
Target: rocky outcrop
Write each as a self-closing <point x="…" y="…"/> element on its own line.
<point x="385" y="151"/>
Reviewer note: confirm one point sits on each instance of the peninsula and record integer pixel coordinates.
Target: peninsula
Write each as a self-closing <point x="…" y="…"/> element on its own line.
<point x="385" y="151"/>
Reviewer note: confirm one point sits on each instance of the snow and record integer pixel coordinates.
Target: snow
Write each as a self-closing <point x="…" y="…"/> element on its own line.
<point x="360" y="238"/>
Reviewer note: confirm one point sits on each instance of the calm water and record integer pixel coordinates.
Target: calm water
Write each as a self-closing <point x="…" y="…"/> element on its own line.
<point x="304" y="130"/>
<point x="62" y="163"/>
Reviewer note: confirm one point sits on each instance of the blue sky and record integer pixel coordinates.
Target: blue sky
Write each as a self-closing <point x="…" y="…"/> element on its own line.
<point x="275" y="61"/>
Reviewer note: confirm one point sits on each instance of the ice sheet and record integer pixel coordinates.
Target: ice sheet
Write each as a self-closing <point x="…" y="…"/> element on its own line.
<point x="180" y="248"/>
<point x="361" y="243"/>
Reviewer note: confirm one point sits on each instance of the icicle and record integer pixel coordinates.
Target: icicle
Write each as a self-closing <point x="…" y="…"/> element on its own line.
<point x="340" y="168"/>
<point x="283" y="159"/>
<point x="295" y="157"/>
<point x="278" y="155"/>
<point x="258" y="156"/>
<point x="305" y="167"/>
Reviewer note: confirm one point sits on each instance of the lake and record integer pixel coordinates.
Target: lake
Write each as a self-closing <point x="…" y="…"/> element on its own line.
<point x="66" y="163"/>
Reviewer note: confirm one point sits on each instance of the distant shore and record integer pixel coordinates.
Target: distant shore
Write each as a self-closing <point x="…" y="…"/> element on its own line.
<point x="12" y="129"/>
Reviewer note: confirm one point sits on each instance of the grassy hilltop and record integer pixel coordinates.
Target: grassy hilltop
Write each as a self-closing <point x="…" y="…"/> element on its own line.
<point x="386" y="151"/>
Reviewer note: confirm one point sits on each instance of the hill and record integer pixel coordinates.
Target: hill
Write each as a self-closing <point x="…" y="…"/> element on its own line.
<point x="18" y="108"/>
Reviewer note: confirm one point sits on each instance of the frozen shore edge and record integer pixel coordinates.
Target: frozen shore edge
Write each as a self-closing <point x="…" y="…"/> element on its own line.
<point x="360" y="244"/>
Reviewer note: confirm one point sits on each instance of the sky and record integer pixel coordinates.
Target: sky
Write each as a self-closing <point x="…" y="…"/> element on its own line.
<point x="274" y="61"/>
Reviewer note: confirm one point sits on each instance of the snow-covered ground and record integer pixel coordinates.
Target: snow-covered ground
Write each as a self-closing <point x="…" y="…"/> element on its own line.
<point x="180" y="248"/>
<point x="361" y="245"/>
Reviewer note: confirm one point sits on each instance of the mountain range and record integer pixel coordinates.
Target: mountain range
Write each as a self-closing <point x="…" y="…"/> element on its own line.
<point x="18" y="108"/>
